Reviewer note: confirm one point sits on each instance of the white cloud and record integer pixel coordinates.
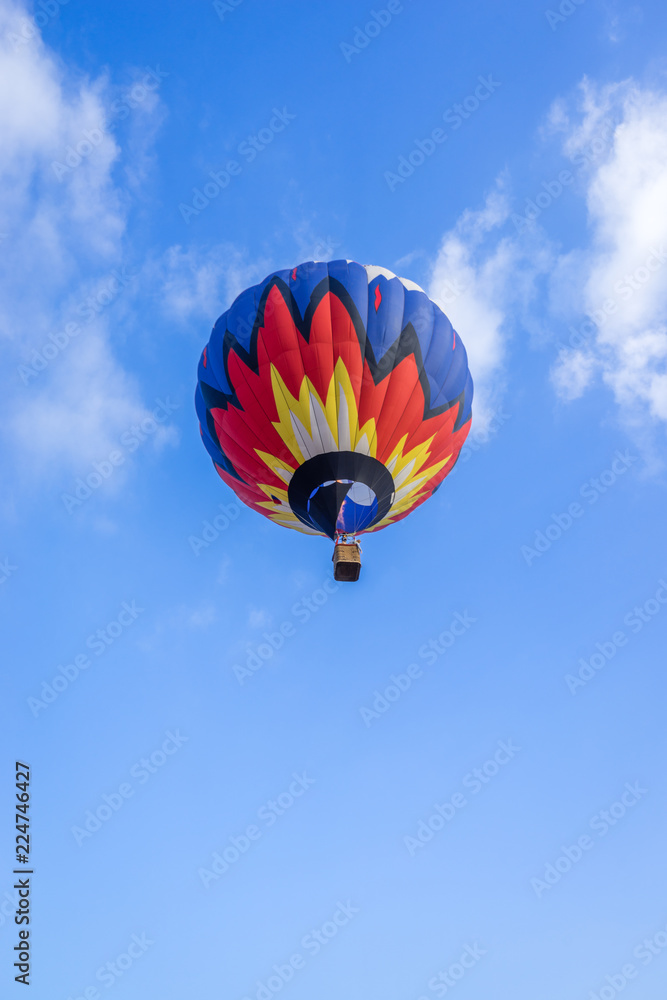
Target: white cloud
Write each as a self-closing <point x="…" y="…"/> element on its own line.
<point x="64" y="217"/>
<point x="311" y="244"/>
<point x="79" y="415"/>
<point x="224" y="570"/>
<point x="199" y="284"/>
<point x="484" y="282"/>
<point x="259" y="618"/>
<point x="621" y="18"/>
<point x="573" y="373"/>
<point x="202" y="616"/>
<point x="620" y="279"/>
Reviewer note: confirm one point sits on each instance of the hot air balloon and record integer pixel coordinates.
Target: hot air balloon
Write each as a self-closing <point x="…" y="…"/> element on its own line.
<point x="334" y="398"/>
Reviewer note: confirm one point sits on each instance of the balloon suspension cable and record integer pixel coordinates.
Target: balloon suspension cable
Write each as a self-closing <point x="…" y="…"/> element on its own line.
<point x="346" y="538"/>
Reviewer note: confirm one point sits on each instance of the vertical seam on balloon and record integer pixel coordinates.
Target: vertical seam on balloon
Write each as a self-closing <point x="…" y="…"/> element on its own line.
<point x="312" y="422"/>
<point x="253" y="453"/>
<point x="420" y="370"/>
<point x="333" y="372"/>
<point x="393" y="368"/>
<point x="424" y="365"/>
<point x="271" y="366"/>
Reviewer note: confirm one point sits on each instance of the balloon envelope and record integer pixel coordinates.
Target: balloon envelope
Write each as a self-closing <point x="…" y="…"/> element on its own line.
<point x="334" y="397"/>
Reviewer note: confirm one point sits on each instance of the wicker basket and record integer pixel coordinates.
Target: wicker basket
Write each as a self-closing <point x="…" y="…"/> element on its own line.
<point x="347" y="561"/>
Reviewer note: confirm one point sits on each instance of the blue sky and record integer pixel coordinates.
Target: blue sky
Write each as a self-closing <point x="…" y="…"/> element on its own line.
<point x="384" y="807"/>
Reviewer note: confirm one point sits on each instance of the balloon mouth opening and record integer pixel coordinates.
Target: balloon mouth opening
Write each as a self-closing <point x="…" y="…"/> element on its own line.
<point x="341" y="492"/>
